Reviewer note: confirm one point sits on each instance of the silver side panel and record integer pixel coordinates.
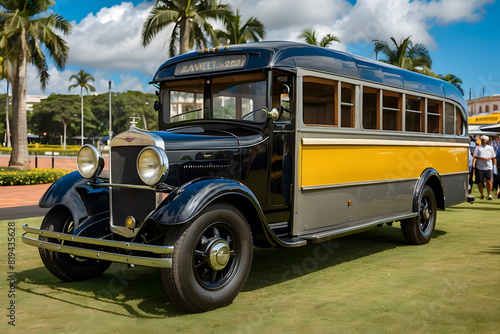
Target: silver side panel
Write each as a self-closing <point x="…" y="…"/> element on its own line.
<point x="326" y="208"/>
<point x="455" y="188"/>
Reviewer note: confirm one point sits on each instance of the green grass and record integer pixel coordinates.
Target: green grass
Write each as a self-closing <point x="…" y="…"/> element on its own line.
<point x="366" y="283"/>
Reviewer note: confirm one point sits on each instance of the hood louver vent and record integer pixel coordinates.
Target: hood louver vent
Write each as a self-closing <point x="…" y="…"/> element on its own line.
<point x="196" y="169"/>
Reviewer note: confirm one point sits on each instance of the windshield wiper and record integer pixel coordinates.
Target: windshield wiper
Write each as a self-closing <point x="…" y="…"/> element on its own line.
<point x="185" y="113"/>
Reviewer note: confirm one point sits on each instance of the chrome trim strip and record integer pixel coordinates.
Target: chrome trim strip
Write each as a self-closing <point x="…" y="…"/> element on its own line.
<point x="354" y="184"/>
<point x="377" y="142"/>
<point x="368" y="183"/>
<point x="454" y="174"/>
<point x="116" y="185"/>
<point x="99" y="255"/>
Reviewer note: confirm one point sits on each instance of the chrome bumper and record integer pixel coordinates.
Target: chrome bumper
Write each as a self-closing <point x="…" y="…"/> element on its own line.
<point x="158" y="262"/>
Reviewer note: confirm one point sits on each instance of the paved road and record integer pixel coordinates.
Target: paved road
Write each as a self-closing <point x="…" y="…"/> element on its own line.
<point x="17" y="202"/>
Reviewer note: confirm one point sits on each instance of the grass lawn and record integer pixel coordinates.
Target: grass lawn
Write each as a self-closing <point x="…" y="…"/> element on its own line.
<point x="369" y="282"/>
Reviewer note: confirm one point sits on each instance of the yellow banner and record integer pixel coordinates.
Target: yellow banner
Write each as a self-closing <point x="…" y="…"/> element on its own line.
<point x="493" y="118"/>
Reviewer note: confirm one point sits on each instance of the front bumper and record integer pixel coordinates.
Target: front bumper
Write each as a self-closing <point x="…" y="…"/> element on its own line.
<point x="114" y="251"/>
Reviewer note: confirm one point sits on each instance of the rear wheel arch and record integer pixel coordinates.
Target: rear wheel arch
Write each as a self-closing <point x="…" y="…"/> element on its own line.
<point x="430" y="177"/>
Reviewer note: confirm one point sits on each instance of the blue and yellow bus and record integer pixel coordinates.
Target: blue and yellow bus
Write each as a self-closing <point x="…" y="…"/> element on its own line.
<point x="262" y="144"/>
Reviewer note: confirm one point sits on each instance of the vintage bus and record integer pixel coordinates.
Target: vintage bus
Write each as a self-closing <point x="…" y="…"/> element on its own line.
<point x="262" y="144"/>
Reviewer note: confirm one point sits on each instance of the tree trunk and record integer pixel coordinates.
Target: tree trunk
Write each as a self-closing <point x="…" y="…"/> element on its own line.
<point x="19" y="158"/>
<point x="65" y="125"/>
<point x="184" y="35"/>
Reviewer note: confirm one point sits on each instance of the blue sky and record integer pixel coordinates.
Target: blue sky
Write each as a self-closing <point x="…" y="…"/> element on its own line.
<point x="461" y="35"/>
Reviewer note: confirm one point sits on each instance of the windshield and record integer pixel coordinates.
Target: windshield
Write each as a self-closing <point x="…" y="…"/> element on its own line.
<point x="241" y="97"/>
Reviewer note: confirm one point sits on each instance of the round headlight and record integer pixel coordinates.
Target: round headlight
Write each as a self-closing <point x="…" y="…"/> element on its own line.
<point x="152" y="165"/>
<point x="89" y="161"/>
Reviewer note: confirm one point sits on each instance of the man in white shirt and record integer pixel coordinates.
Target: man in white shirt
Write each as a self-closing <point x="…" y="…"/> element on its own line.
<point x="482" y="163"/>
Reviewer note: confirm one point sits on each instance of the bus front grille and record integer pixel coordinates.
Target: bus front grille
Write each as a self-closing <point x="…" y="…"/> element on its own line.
<point x="126" y="202"/>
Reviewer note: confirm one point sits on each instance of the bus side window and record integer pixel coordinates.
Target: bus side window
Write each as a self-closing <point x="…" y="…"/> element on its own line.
<point x="281" y="95"/>
<point x="371" y="118"/>
<point x="391" y="111"/>
<point x="434" y="116"/>
<point x="460" y="123"/>
<point x="319" y="101"/>
<point x="449" y="120"/>
<point x="347" y="106"/>
<point x="415" y="106"/>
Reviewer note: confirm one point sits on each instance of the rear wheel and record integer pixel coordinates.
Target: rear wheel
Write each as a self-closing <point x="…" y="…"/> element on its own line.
<point x="65" y="266"/>
<point x="211" y="260"/>
<point x="418" y="230"/>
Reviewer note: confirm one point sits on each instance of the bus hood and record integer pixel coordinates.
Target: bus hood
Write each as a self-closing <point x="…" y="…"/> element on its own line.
<point x="207" y="137"/>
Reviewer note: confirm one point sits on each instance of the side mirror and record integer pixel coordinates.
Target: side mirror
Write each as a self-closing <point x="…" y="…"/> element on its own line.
<point x="157" y="105"/>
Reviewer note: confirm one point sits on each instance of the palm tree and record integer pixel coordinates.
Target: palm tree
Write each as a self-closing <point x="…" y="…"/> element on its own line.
<point x="190" y="20"/>
<point x="252" y="30"/>
<point x="405" y="54"/>
<point x="26" y="30"/>
<point x="454" y="80"/>
<point x="309" y="37"/>
<point x="82" y="79"/>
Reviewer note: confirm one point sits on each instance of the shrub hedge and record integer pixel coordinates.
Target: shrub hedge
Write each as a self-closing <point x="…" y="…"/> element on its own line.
<point x="11" y="177"/>
<point x="71" y="150"/>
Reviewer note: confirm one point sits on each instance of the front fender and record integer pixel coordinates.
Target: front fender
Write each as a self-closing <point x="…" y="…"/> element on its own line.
<point x="74" y="192"/>
<point x="185" y="202"/>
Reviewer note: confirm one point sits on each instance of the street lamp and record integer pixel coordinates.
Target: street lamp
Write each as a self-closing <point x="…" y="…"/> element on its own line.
<point x="110" y="124"/>
<point x="144" y="118"/>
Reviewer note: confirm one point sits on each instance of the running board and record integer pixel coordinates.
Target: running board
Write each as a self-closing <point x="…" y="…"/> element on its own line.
<point x="351" y="228"/>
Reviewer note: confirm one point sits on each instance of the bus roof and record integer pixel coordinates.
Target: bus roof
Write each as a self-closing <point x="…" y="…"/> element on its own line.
<point x="290" y="55"/>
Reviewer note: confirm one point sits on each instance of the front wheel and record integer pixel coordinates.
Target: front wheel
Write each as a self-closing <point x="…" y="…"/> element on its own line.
<point x="65" y="266"/>
<point x="211" y="260"/>
<point x="418" y="230"/>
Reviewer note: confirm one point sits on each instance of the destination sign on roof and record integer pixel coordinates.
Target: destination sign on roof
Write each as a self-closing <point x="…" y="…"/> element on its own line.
<point x="211" y="64"/>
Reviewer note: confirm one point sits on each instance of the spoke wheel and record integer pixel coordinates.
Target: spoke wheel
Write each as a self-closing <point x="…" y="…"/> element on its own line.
<point x="211" y="261"/>
<point x="419" y="230"/>
<point x="65" y="266"/>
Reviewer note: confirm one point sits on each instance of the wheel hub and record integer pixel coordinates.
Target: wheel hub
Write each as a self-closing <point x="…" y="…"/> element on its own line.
<point x="218" y="255"/>
<point x="426" y="214"/>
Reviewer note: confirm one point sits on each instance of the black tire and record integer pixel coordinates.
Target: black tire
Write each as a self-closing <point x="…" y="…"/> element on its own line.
<point x="211" y="260"/>
<point x="419" y="230"/>
<point x="67" y="267"/>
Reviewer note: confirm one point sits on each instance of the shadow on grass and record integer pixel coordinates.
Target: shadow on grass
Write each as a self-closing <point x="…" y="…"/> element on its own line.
<point x="139" y="292"/>
<point x="493" y="250"/>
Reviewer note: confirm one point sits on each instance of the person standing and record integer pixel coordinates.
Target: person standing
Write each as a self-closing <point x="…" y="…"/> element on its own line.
<point x="482" y="163"/>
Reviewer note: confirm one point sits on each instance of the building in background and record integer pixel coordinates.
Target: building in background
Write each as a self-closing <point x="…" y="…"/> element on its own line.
<point x="485" y="104"/>
<point x="31" y="100"/>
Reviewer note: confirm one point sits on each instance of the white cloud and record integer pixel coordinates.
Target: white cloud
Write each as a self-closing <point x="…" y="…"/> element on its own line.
<point x="452" y="11"/>
<point x="108" y="44"/>
<point x="111" y="39"/>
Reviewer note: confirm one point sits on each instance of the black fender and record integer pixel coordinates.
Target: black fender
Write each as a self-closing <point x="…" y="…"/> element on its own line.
<point x="187" y="201"/>
<point x="429" y="177"/>
<point x="77" y="195"/>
